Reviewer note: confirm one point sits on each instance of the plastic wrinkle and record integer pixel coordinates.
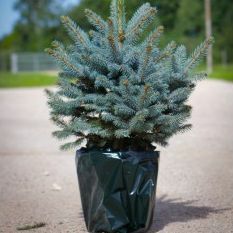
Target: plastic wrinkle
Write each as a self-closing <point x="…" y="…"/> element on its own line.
<point x="117" y="189"/>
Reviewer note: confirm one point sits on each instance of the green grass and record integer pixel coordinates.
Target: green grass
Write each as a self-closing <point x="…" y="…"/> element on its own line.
<point x="43" y="79"/>
<point x="222" y="72"/>
<point x="26" y="80"/>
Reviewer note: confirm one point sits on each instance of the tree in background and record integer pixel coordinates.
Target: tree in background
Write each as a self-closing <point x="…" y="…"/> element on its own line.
<point x="222" y="28"/>
<point x="37" y="25"/>
<point x="37" y="19"/>
<point x="189" y="27"/>
<point x="183" y="21"/>
<point x="167" y="10"/>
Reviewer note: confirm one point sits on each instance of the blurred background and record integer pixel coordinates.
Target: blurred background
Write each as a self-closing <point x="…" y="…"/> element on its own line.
<point x="29" y="26"/>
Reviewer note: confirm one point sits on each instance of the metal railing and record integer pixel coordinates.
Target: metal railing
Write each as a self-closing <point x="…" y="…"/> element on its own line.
<point x="32" y="62"/>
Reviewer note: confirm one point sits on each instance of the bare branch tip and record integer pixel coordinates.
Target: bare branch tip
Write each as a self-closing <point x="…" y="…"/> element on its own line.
<point x="49" y="51"/>
<point x="161" y="29"/>
<point x="64" y="19"/>
<point x="210" y="40"/>
<point x="55" y="44"/>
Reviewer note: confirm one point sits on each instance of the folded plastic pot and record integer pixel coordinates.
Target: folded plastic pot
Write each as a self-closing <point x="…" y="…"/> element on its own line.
<point x="117" y="189"/>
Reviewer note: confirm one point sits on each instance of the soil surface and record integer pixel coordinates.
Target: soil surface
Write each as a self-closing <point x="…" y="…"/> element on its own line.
<point x="38" y="183"/>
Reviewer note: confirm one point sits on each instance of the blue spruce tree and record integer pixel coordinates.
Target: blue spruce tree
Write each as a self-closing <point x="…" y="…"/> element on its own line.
<point x="117" y="91"/>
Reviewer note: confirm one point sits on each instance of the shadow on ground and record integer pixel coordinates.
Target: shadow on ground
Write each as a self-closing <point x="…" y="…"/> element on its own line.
<point x="170" y="210"/>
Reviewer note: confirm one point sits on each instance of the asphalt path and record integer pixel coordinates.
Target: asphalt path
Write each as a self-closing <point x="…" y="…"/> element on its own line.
<point x="38" y="183"/>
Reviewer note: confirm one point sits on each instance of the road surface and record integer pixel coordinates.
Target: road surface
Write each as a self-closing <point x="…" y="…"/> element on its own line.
<point x="38" y="182"/>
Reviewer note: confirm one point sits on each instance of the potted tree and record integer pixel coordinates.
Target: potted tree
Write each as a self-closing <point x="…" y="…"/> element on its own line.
<point x="120" y="96"/>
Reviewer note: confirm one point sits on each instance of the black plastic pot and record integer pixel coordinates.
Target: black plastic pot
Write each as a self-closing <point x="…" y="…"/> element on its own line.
<point x="117" y="189"/>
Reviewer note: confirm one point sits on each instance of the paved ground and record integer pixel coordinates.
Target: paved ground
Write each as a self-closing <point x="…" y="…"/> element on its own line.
<point x="38" y="183"/>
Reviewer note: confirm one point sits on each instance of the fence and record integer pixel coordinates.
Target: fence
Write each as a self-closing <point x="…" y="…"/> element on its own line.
<point x="33" y="62"/>
<point x="4" y="61"/>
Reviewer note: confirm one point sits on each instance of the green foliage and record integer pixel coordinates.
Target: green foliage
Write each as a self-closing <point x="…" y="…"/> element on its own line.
<point x="222" y="72"/>
<point x="186" y="18"/>
<point x="38" y="23"/>
<point x="116" y="91"/>
<point x="26" y="80"/>
<point x="222" y="28"/>
<point x="180" y="20"/>
<point x="36" y="27"/>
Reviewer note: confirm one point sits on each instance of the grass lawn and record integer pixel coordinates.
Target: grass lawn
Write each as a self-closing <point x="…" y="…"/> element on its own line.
<point x="223" y="72"/>
<point x="26" y="79"/>
<point x="43" y="79"/>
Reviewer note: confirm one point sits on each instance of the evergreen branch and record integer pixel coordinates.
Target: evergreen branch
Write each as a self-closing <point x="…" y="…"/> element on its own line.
<point x="103" y="81"/>
<point x="111" y="38"/>
<point x="113" y="9"/>
<point x="63" y="58"/>
<point x="145" y="62"/>
<point x="97" y="39"/>
<point x="137" y="122"/>
<point x="166" y="53"/>
<point x="180" y="55"/>
<point x="155" y="35"/>
<point x="59" y="121"/>
<point x="121" y="20"/>
<point x="110" y="117"/>
<point x="95" y="62"/>
<point x="145" y="93"/>
<point x="123" y="110"/>
<point x="72" y="145"/>
<point x="140" y="24"/>
<point x="65" y="133"/>
<point x="113" y="25"/>
<point x="118" y="18"/>
<point x="122" y="133"/>
<point x="67" y="88"/>
<point x="179" y="95"/>
<point x="58" y="46"/>
<point x="96" y="21"/>
<point x="148" y="48"/>
<point x="150" y="41"/>
<point x="198" y="76"/>
<point x="184" y="128"/>
<point x="49" y="93"/>
<point x="200" y="51"/>
<point x="142" y="18"/>
<point x="75" y="32"/>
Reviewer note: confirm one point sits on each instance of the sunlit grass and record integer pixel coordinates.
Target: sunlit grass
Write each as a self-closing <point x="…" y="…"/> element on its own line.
<point x="26" y="79"/>
<point x="9" y="80"/>
<point x="221" y="72"/>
